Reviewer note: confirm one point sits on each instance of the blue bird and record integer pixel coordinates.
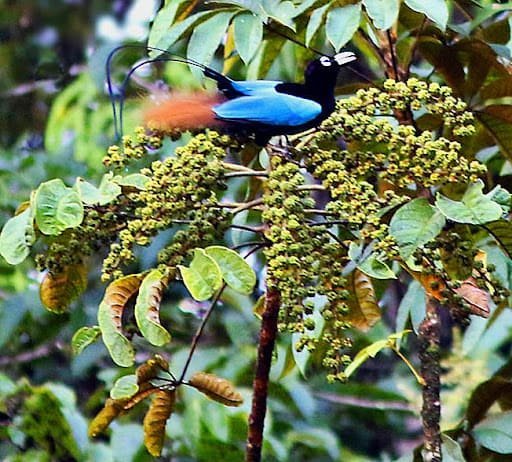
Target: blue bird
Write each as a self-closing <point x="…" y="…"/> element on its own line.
<point x="259" y="108"/>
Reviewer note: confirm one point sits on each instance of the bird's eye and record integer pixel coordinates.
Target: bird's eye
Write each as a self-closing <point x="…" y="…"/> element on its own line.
<point x="325" y="61"/>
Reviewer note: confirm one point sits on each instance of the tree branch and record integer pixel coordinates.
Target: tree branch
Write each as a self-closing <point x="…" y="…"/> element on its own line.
<point x="268" y="333"/>
<point x="429" y="335"/>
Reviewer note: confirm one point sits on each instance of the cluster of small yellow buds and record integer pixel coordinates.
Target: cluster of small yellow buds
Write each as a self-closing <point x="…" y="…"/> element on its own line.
<point x="133" y="148"/>
<point x="180" y="189"/>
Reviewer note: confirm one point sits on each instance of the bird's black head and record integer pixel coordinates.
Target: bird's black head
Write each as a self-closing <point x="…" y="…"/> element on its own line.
<point x="324" y="71"/>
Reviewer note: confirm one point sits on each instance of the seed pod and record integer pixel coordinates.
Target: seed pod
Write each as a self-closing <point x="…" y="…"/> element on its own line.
<point x="216" y="388"/>
<point x="155" y="420"/>
<point x="149" y="370"/>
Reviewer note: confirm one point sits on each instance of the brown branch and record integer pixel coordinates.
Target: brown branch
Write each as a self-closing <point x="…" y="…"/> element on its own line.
<point x="268" y="333"/>
<point x="42" y="351"/>
<point x="429" y="334"/>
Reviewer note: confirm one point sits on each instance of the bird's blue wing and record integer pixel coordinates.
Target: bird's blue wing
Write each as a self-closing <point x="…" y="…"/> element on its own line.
<point x="270" y="108"/>
<point x="250" y="87"/>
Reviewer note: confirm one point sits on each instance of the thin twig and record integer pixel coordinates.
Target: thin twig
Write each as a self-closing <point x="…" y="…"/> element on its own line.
<point x="199" y="332"/>
<point x="251" y="229"/>
<point x="247" y="205"/>
<point x="242" y="174"/>
<point x="393" y="55"/>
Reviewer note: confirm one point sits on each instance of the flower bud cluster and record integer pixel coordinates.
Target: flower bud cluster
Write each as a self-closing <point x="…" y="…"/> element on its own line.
<point x="180" y="188"/>
<point x="303" y="263"/>
<point x="402" y="154"/>
<point x="133" y="148"/>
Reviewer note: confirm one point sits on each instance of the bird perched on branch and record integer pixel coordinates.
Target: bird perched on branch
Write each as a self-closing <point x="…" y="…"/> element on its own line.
<point x="263" y="108"/>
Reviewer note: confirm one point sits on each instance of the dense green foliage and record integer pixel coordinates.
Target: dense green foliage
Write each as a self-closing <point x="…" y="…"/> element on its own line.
<point x="400" y="200"/>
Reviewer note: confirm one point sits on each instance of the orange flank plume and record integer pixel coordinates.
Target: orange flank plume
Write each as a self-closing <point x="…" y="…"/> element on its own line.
<point x="181" y="111"/>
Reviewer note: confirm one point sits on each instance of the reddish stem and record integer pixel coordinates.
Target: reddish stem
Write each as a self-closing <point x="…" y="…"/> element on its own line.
<point x="268" y="333"/>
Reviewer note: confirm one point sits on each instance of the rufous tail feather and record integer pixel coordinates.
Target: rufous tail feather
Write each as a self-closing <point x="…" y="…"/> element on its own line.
<point x="181" y="111"/>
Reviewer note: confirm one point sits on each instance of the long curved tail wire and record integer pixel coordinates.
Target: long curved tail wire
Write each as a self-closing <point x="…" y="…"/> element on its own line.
<point x="120" y="92"/>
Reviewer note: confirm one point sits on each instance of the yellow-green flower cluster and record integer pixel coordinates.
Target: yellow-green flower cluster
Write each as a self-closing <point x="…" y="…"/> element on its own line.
<point x="403" y="154"/>
<point x="132" y="148"/>
<point x="303" y="263"/>
<point x="179" y="189"/>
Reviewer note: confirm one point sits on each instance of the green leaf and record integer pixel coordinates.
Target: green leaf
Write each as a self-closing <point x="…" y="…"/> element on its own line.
<point x="475" y="208"/>
<point x="203" y="278"/>
<point x="383" y="13"/>
<point x="163" y="20"/>
<point x="501" y="230"/>
<point x="414" y="224"/>
<point x="147" y="309"/>
<point x="342" y="23"/>
<point x="176" y="31"/>
<point x="17" y="237"/>
<point x="283" y="12"/>
<point x="435" y="10"/>
<point x="134" y="180"/>
<point x="413" y="304"/>
<point x="90" y="194"/>
<point x="110" y="314"/>
<point x="125" y="387"/>
<point x="363" y="355"/>
<point x="236" y="272"/>
<point x="495" y="433"/>
<point x="84" y="337"/>
<point x="248" y="35"/>
<point x="452" y="452"/>
<point x="315" y="21"/>
<point x="57" y="207"/>
<point x="206" y="38"/>
<point x="370" y="264"/>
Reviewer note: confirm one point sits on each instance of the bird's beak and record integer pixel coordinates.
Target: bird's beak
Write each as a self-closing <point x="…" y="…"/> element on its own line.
<point x="344" y="57"/>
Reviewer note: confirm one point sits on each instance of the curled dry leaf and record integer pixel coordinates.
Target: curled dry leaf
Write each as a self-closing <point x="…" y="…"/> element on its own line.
<point x="58" y="290"/>
<point x="364" y="308"/>
<point x="155" y="420"/>
<point x="149" y="370"/>
<point x="216" y="388"/>
<point x="110" y="318"/>
<point x="112" y="408"/>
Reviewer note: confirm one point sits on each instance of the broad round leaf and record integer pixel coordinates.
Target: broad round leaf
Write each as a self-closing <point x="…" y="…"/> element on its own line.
<point x="147" y="309"/>
<point x="134" y="180"/>
<point x="475" y="208"/>
<point x="57" y="207"/>
<point x="342" y="23"/>
<point x="236" y="272"/>
<point x="17" y="237"/>
<point x="203" y="278"/>
<point x="125" y="387"/>
<point x="248" y="35"/>
<point x="104" y="194"/>
<point x="84" y="337"/>
<point x="414" y="224"/>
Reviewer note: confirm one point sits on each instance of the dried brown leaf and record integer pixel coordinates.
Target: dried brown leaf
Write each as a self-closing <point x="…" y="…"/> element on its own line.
<point x="364" y="309"/>
<point x="155" y="420"/>
<point x="216" y="388"/>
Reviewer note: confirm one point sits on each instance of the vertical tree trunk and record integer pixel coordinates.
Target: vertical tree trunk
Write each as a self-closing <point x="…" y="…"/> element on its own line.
<point x="429" y="334"/>
<point x="267" y="339"/>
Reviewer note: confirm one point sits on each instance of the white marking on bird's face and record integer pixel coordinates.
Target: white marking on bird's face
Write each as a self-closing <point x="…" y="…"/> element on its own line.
<point x="325" y="61"/>
<point x="344" y="57"/>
